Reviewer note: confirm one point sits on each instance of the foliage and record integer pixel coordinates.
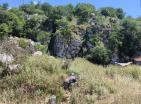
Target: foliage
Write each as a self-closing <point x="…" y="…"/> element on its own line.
<point x="100" y="55"/>
<point x="4" y="30"/>
<point x="42" y="75"/>
<point x="23" y="43"/>
<point x="41" y="48"/>
<point x="33" y="26"/>
<point x="114" y="41"/>
<point x="83" y="11"/>
<point x="12" y="21"/>
<point x="64" y="27"/>
<point x="111" y="12"/>
<point x="101" y="32"/>
<point x="130" y="37"/>
<point x="41" y="22"/>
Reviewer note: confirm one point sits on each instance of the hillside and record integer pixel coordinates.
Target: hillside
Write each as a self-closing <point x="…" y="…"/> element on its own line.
<point x="42" y="45"/>
<point x="102" y="36"/>
<point x="43" y="75"/>
<point x="40" y="75"/>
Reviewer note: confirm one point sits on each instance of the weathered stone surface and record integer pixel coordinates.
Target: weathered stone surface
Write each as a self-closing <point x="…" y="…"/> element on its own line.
<point x="10" y="69"/>
<point x="14" y="68"/>
<point x="65" y="46"/>
<point x="38" y="53"/>
<point x="29" y="48"/>
<point x="6" y="59"/>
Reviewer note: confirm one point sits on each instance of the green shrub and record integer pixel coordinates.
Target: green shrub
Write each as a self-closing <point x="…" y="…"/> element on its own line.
<point x="23" y="43"/>
<point x="4" y="30"/>
<point x="100" y="55"/>
<point x="41" y="48"/>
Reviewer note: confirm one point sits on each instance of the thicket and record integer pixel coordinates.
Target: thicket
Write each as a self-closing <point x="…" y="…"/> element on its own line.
<point x="40" y="22"/>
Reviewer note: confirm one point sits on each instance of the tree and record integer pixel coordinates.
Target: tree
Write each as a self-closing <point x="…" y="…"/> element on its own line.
<point x="31" y="9"/>
<point x="33" y="26"/>
<point x="83" y="11"/>
<point x="5" y="6"/>
<point x="64" y="27"/>
<point x="47" y="8"/>
<point x="100" y="55"/>
<point x="13" y="21"/>
<point x="108" y="11"/>
<point x="69" y="9"/>
<point x="120" y="14"/>
<point x="130" y="37"/>
<point x="4" y="30"/>
<point x="69" y="12"/>
<point x="58" y="12"/>
<point x="111" y="12"/>
<point x="43" y="37"/>
<point x="115" y="41"/>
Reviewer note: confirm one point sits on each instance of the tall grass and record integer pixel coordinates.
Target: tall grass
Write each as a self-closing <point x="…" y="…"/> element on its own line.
<point x="42" y="76"/>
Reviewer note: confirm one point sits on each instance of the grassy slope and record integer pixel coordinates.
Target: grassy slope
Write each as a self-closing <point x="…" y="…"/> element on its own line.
<point x="96" y="85"/>
<point x="112" y="84"/>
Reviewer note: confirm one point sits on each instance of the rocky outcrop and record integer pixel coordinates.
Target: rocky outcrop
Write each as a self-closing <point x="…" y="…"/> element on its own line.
<point x="65" y="46"/>
<point x="6" y="59"/>
<point x="37" y="53"/>
<point x="26" y="44"/>
<point x="10" y="69"/>
<point x="13" y="69"/>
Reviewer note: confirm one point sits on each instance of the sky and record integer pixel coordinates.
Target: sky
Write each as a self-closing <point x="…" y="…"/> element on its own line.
<point x="131" y="7"/>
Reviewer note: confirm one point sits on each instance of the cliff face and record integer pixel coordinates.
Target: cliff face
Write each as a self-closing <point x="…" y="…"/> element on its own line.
<point x="80" y="41"/>
<point x="67" y="46"/>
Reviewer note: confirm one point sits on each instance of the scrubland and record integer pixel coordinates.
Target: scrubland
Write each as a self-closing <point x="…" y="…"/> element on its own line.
<point x="43" y="75"/>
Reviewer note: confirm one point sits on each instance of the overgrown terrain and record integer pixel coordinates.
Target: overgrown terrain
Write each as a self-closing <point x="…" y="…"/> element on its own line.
<point x="99" y="35"/>
<point x="37" y="40"/>
<point x="42" y="75"/>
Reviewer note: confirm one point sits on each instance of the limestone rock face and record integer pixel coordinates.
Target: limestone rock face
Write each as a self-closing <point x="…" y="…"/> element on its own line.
<point x="38" y="53"/>
<point x="82" y="39"/>
<point x="65" y="46"/>
<point x="6" y="59"/>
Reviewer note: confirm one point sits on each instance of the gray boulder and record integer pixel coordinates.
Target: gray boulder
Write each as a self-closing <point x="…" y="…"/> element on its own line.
<point x="65" y="46"/>
<point x="14" y="68"/>
<point x="10" y="69"/>
<point x="6" y="59"/>
<point x="37" y="53"/>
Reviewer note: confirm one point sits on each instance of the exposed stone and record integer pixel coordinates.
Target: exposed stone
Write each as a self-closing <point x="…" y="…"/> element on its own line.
<point x="38" y="53"/>
<point x="14" y="68"/>
<point x="10" y="69"/>
<point x="6" y="59"/>
<point x="53" y="99"/>
<point x="29" y="48"/>
<point x="65" y="46"/>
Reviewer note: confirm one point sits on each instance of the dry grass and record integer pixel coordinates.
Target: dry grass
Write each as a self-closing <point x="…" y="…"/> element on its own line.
<point x="43" y="75"/>
<point x="109" y="85"/>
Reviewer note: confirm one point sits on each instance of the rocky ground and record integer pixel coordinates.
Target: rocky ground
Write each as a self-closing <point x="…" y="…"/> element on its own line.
<point x="31" y="76"/>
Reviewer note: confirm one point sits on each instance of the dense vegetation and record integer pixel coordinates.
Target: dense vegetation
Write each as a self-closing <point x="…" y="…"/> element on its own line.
<point x="101" y="32"/>
<point x="68" y="32"/>
<point x="42" y="75"/>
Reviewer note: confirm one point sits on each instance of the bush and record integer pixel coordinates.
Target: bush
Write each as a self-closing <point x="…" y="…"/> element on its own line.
<point x="83" y="11"/>
<point x="100" y="55"/>
<point x="23" y="43"/>
<point x="41" y="48"/>
<point x="4" y="30"/>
